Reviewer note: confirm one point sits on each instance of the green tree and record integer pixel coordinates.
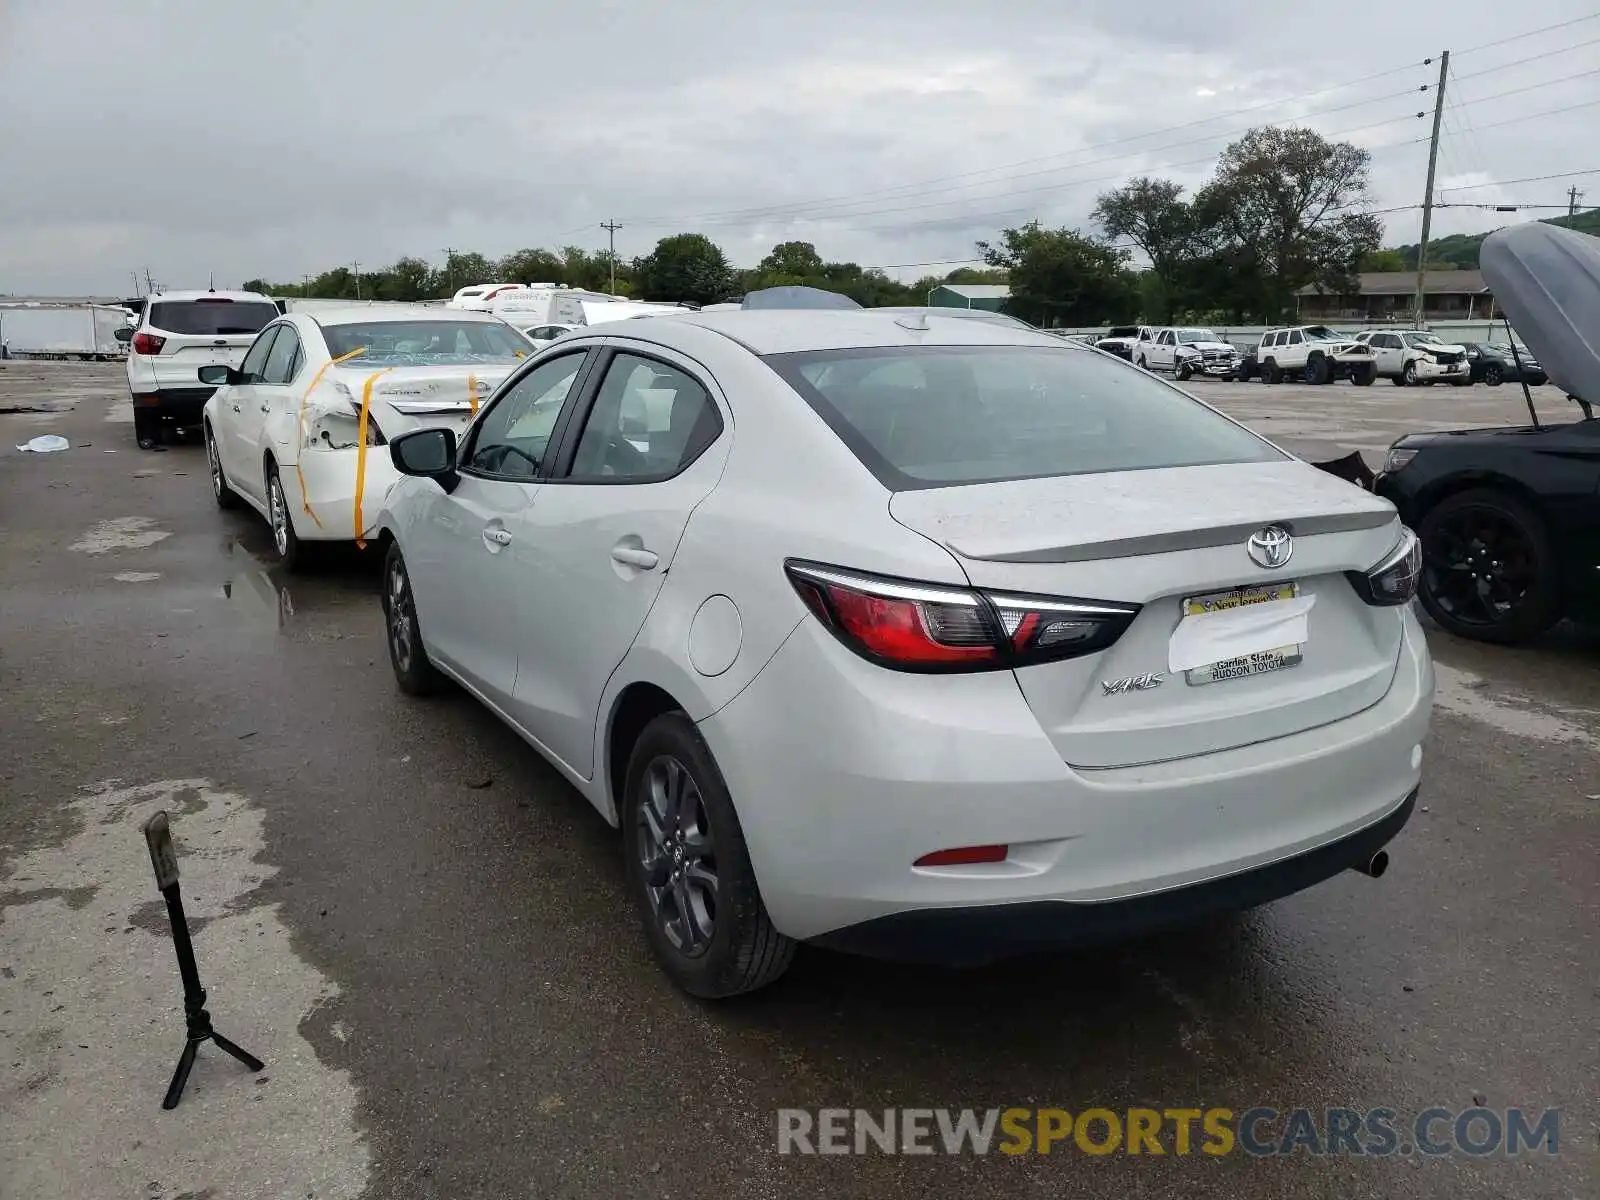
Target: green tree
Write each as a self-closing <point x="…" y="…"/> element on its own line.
<point x="1061" y="277"/>
<point x="1290" y="207"/>
<point x="533" y="265"/>
<point x="465" y="268"/>
<point x="796" y="260"/>
<point x="1153" y="215"/>
<point x="685" y="266"/>
<point x="1385" y="260"/>
<point x="975" y="275"/>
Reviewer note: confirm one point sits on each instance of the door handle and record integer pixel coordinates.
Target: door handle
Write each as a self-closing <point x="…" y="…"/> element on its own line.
<point x="496" y="537"/>
<point x="645" y="560"/>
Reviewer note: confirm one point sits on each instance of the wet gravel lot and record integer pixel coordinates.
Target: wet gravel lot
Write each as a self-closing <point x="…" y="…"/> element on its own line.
<point x="424" y="932"/>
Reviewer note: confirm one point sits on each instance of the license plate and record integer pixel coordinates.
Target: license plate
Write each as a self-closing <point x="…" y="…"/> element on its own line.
<point x="1261" y="663"/>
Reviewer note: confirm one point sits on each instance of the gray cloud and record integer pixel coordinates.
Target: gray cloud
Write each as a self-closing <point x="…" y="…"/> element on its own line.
<point x="193" y="136"/>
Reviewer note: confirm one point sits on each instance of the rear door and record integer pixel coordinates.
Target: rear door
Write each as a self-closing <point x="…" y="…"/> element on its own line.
<point x="197" y="333"/>
<point x="594" y="550"/>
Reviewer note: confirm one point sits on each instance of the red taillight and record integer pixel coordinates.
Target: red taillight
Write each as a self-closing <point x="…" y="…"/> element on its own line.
<point x="148" y="343"/>
<point x="933" y="627"/>
<point x="963" y="856"/>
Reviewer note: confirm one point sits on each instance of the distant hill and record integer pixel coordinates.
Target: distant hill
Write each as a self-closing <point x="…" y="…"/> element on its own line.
<point x="1460" y="250"/>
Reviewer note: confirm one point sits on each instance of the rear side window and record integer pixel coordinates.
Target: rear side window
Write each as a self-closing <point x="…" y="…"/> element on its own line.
<point x="939" y="416"/>
<point x="211" y="318"/>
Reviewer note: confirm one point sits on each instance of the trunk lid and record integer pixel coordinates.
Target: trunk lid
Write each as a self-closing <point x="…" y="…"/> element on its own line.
<point x="1158" y="538"/>
<point x="440" y="396"/>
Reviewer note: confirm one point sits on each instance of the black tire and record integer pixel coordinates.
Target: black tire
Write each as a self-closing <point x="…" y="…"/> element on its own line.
<point x="147" y="430"/>
<point x="1141" y="364"/>
<point x="1363" y="375"/>
<point x="1318" y="369"/>
<point x="408" y="654"/>
<point x="292" y="553"/>
<point x="1183" y="372"/>
<point x="1409" y="374"/>
<point x="1520" y="552"/>
<point x="668" y="846"/>
<point x="224" y="495"/>
<point x="1494" y="375"/>
<point x="1246" y="371"/>
<point x="1271" y="372"/>
<point x="1397" y="380"/>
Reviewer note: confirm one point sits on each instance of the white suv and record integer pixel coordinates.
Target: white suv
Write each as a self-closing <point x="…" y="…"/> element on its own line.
<point x="177" y="334"/>
<point x="1408" y="357"/>
<point x="1313" y="352"/>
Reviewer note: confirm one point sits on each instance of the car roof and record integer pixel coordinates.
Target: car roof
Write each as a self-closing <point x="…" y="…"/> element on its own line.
<point x="178" y="297"/>
<point x="367" y="314"/>
<point x="787" y="331"/>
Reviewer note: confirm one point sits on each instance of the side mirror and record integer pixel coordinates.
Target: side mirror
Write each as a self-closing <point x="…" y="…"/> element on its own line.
<point x="123" y="335"/>
<point x="427" y="454"/>
<point x="219" y="375"/>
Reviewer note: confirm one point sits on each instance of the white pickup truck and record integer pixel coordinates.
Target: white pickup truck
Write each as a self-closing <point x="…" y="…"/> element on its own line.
<point x="1408" y="357"/>
<point x="1186" y="352"/>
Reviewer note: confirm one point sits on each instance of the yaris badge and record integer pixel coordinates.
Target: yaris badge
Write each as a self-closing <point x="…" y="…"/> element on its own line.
<point x="1271" y="547"/>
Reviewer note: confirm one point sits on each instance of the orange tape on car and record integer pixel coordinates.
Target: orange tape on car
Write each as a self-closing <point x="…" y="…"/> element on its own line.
<point x="472" y="393"/>
<point x="300" y="432"/>
<point x="361" y="450"/>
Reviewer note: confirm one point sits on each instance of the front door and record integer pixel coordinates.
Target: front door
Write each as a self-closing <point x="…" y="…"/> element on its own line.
<point x="270" y="394"/>
<point x="236" y="403"/>
<point x="603" y="535"/>
<point x="464" y="566"/>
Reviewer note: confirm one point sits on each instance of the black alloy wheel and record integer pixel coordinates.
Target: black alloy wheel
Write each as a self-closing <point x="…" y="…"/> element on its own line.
<point x="1488" y="570"/>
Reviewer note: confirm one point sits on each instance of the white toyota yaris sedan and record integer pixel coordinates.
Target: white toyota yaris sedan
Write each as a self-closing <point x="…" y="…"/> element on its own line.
<point x="916" y="637"/>
<point x="290" y="430"/>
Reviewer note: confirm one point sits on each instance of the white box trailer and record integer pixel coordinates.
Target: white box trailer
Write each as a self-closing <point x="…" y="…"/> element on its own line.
<point x="85" y="331"/>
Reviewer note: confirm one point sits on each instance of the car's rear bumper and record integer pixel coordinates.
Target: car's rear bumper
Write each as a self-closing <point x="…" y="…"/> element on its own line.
<point x="844" y="774"/>
<point x="330" y="491"/>
<point x="181" y="405"/>
<point x="982" y="933"/>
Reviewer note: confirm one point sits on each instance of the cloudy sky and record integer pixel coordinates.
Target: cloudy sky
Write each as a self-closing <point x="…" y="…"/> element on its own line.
<point x="275" y="139"/>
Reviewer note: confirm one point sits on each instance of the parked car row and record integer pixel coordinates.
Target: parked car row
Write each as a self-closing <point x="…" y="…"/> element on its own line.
<point x="744" y="651"/>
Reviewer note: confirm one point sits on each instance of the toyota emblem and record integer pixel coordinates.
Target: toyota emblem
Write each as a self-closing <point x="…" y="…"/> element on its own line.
<point x="1271" y="547"/>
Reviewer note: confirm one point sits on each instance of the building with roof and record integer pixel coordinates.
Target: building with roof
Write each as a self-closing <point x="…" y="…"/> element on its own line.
<point x="1388" y="296"/>
<point x="990" y="296"/>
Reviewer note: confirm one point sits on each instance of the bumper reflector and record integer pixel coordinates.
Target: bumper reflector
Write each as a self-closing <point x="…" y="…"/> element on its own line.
<point x="963" y="856"/>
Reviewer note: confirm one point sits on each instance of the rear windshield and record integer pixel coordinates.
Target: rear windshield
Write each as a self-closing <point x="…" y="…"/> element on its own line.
<point x="208" y="317"/>
<point x="939" y="416"/>
<point x="426" y="343"/>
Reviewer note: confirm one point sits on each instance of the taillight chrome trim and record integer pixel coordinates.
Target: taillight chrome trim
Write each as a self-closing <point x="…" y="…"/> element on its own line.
<point x="1083" y="608"/>
<point x="1365" y="582"/>
<point x="884" y="585"/>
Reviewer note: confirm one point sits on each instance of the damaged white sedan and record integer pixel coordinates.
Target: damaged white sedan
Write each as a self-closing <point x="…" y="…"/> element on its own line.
<point x="289" y="431"/>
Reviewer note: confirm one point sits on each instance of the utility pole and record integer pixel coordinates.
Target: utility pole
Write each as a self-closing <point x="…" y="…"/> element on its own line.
<point x="1572" y="200"/>
<point x="611" y="227"/>
<point x="305" y="286"/>
<point x="357" y="267"/>
<point x="1427" y="199"/>
<point x="450" y="268"/>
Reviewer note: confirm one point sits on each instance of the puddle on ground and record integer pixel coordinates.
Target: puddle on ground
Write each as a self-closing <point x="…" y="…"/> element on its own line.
<point x="254" y="593"/>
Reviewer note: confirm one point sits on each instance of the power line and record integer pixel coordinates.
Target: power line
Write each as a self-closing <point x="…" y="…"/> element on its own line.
<point x="1517" y="37"/>
<point x="1525" y="179"/>
<point x="1549" y="112"/>
<point x="920" y="187"/>
<point x="1531" y="58"/>
<point x="1534" y="87"/>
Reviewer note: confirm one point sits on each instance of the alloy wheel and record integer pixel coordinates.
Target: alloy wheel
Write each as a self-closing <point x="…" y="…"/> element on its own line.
<point x="1480" y="566"/>
<point x="280" y="515"/>
<point x="214" y="462"/>
<point x="673" y="840"/>
<point x="398" y="597"/>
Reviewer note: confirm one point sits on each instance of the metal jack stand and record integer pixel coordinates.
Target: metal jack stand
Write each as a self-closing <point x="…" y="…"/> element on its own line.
<point x="158" y="833"/>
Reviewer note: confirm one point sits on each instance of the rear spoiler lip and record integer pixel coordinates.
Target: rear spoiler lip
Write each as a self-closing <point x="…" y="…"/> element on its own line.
<point x="1186" y="539"/>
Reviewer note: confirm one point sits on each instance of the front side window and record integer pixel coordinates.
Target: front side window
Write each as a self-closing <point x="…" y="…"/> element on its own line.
<point x="255" y="360"/>
<point x="284" y="359"/>
<point x="939" y="416"/>
<point x="513" y="438"/>
<point x="425" y="343"/>
<point x="649" y="421"/>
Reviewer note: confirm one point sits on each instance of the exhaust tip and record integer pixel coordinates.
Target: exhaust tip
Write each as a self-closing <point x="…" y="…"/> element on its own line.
<point x="1374" y="867"/>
